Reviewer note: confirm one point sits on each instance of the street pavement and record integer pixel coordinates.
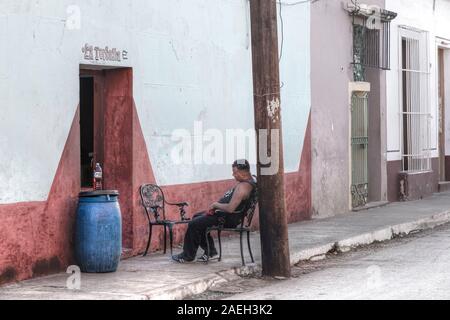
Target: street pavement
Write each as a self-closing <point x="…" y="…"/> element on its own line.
<point x="417" y="268"/>
<point x="156" y="277"/>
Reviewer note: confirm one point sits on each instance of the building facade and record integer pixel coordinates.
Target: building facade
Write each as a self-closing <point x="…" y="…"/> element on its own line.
<point x="349" y="167"/>
<point x="378" y="93"/>
<point x="417" y="120"/>
<point x="161" y="92"/>
<point x="124" y="83"/>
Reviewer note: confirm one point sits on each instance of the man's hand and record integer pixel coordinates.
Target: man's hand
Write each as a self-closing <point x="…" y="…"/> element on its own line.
<point x="213" y="206"/>
<point x="212" y="209"/>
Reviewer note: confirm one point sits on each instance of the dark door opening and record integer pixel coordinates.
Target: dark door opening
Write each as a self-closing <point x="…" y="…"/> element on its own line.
<point x="86" y="129"/>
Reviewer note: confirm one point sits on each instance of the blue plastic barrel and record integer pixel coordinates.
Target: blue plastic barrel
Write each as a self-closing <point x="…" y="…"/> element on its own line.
<point x="98" y="232"/>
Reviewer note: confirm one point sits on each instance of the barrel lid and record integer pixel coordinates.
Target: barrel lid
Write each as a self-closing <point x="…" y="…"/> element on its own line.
<point x="98" y="193"/>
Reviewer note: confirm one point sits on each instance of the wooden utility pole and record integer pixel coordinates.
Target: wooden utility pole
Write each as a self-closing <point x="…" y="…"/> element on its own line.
<point x="266" y="86"/>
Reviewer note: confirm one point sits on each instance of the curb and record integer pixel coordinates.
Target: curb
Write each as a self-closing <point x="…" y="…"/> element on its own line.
<point x="200" y="286"/>
<point x="310" y="254"/>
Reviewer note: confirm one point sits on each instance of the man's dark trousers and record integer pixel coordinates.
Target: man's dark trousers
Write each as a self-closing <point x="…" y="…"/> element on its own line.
<point x="196" y="233"/>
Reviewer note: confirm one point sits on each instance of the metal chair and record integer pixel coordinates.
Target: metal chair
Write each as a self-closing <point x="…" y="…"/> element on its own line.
<point x="154" y="203"/>
<point x="244" y="226"/>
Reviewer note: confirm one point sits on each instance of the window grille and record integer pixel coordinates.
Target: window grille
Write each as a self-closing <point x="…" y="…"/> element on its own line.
<point x="414" y="100"/>
<point x="371" y="39"/>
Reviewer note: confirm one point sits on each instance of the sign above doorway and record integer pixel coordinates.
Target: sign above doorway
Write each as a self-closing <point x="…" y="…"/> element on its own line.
<point x="105" y="54"/>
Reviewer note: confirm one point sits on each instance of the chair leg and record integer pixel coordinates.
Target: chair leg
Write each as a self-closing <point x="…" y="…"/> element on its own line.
<point x="249" y="247"/>
<point x="242" y="249"/>
<point x="219" y="232"/>
<point x="171" y="238"/>
<point x="207" y="245"/>
<point x="165" y="239"/>
<point x="149" y="239"/>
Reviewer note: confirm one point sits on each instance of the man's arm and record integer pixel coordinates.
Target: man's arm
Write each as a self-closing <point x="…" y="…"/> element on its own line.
<point x="241" y="193"/>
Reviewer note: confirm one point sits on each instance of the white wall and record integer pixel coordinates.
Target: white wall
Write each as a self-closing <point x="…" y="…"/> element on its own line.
<point x="295" y="74"/>
<point x="191" y="62"/>
<point x="39" y="89"/>
<point x="417" y="14"/>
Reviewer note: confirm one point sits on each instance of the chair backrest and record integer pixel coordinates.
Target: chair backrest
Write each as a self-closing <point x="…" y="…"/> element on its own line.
<point x="249" y="212"/>
<point x="153" y="201"/>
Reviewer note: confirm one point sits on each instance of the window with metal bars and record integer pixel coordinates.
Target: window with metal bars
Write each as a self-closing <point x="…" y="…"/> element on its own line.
<point x="414" y="99"/>
<point x="371" y="40"/>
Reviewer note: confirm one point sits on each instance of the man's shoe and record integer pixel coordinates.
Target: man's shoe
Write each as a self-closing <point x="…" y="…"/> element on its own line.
<point x="204" y="257"/>
<point x="180" y="258"/>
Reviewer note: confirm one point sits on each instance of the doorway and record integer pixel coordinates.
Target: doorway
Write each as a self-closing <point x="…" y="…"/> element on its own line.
<point x="91" y="123"/>
<point x="106" y="135"/>
<point x="359" y="149"/>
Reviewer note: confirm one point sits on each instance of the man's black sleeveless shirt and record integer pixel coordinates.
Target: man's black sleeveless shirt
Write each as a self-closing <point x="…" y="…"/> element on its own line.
<point x="244" y="203"/>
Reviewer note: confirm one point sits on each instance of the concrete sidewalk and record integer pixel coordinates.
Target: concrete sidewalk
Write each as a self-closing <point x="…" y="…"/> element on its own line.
<point x="157" y="277"/>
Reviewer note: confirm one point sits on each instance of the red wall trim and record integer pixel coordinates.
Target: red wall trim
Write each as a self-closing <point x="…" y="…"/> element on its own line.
<point x="37" y="237"/>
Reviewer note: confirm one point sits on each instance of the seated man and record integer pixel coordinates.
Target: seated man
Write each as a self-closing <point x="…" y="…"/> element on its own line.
<point x="234" y="200"/>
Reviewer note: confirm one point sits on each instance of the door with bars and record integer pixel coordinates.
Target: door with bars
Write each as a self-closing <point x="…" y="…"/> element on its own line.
<point x="359" y="144"/>
<point x="414" y="97"/>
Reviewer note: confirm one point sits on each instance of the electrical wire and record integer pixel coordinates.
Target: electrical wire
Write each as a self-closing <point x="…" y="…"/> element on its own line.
<point x="282" y="33"/>
<point x="270" y="93"/>
<point x="281" y="4"/>
<point x="282" y="22"/>
<point x="297" y="3"/>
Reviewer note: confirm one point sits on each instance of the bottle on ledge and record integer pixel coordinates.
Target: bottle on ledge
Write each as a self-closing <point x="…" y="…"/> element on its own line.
<point x="98" y="176"/>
